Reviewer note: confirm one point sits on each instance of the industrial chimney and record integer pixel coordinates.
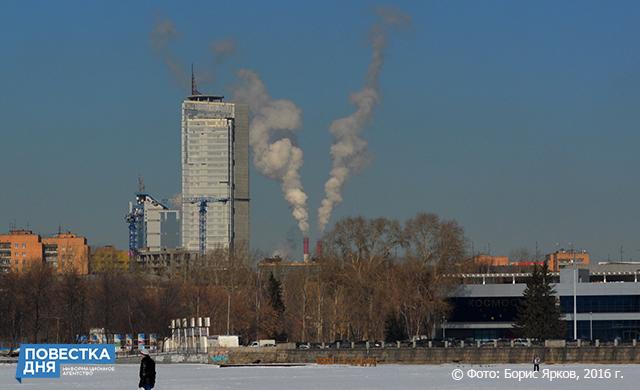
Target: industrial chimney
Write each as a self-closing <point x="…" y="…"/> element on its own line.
<point x="305" y="244"/>
<point x="319" y="248"/>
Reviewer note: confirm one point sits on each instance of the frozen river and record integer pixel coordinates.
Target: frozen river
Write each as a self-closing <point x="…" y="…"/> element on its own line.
<point x="189" y="377"/>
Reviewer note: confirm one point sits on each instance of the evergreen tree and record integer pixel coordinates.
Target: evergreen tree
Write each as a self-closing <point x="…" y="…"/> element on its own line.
<point x="394" y="329"/>
<point x="538" y="314"/>
<point x="277" y="303"/>
<point x="275" y="294"/>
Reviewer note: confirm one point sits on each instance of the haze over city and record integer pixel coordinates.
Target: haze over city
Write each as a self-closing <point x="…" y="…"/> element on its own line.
<point x="517" y="120"/>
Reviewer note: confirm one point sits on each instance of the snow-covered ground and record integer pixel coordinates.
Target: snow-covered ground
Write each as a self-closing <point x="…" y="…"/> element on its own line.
<point x="190" y="377"/>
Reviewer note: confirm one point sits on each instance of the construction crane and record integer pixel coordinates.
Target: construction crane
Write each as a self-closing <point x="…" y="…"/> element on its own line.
<point x="135" y="217"/>
<point x="203" y="202"/>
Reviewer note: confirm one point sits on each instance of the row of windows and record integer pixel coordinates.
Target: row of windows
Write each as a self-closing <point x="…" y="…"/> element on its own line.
<point x="505" y="309"/>
<point x="212" y="154"/>
<point x="209" y="172"/>
<point x="221" y="164"/>
<point x="205" y="142"/>
<point x="6" y="245"/>
<point x="602" y="304"/>
<point x="606" y="330"/>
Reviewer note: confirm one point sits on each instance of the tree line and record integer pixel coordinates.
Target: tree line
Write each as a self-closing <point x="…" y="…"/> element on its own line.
<point x="377" y="279"/>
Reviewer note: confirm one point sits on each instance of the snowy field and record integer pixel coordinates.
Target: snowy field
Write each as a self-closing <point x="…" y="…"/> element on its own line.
<point x="189" y="377"/>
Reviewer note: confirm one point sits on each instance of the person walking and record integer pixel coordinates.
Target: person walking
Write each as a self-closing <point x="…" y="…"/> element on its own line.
<point x="536" y="363"/>
<point x="147" y="371"/>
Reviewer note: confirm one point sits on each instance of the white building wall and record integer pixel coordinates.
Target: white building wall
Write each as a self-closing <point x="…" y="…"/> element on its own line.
<point x="207" y="128"/>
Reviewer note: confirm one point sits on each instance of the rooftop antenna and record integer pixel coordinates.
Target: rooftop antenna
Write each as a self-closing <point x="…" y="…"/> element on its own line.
<point x="140" y="184"/>
<point x="194" y="88"/>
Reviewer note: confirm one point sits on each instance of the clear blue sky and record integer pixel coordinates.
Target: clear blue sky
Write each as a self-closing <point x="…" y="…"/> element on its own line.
<point x="518" y="119"/>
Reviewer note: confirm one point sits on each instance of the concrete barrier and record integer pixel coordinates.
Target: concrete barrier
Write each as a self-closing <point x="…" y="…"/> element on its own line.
<point x="167" y="358"/>
<point x="418" y="355"/>
<point x="421" y="355"/>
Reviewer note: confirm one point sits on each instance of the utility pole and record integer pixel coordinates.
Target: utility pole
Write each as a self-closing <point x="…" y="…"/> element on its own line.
<point x="443" y="324"/>
<point x="575" y="290"/>
<point x="228" y="311"/>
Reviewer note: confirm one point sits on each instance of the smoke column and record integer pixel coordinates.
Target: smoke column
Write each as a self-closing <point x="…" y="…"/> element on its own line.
<point x="274" y="153"/>
<point x="163" y="33"/>
<point x="349" y="149"/>
<point x="222" y="49"/>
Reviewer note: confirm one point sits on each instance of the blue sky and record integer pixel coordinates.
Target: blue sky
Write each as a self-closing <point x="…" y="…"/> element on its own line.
<point x="519" y="120"/>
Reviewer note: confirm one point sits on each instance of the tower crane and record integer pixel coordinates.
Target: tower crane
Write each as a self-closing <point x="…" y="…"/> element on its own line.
<point x="134" y="219"/>
<point x="203" y="202"/>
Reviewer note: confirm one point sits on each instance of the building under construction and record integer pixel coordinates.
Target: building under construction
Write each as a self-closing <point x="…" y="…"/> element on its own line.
<point x="215" y="173"/>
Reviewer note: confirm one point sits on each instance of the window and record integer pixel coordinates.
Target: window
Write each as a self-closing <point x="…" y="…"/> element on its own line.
<point x="24" y="245"/>
<point x="17" y="245"/>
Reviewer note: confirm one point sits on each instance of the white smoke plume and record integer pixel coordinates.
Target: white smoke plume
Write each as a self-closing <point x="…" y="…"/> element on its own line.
<point x="222" y="49"/>
<point x="349" y="150"/>
<point x="275" y="154"/>
<point x="163" y="34"/>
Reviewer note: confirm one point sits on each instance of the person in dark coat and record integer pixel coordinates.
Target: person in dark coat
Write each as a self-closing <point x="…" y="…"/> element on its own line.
<point x="536" y="363"/>
<point x="147" y="371"/>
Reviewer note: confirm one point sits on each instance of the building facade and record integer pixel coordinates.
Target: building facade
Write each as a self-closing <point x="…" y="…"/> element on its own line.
<point x="108" y="258"/>
<point x="562" y="258"/>
<point x="159" y="226"/>
<point x="215" y="169"/>
<point x="494" y="261"/>
<point x="20" y="249"/>
<point x="485" y="306"/>
<point x="65" y="252"/>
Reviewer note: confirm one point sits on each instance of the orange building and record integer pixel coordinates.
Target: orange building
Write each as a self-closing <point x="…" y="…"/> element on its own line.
<point x="19" y="249"/>
<point x="562" y="258"/>
<point x="491" y="260"/>
<point x="67" y="252"/>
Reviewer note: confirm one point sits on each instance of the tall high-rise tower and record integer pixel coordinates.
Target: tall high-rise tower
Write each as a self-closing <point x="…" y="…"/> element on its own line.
<point x="215" y="168"/>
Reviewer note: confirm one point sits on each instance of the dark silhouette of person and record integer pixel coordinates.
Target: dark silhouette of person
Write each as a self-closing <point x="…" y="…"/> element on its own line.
<point x="536" y="363"/>
<point x="147" y="371"/>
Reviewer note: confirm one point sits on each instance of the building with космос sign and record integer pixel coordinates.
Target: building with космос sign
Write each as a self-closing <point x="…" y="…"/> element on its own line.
<point x="485" y="306"/>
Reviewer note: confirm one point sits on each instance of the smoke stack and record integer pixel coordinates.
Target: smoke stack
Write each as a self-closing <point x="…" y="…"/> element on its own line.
<point x="305" y="244"/>
<point x="319" y="248"/>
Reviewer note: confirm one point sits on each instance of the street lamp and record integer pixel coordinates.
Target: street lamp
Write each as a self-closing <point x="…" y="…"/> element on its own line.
<point x="228" y="311"/>
<point x="575" y="308"/>
<point x="575" y="289"/>
<point x="443" y="323"/>
<point x="591" y="325"/>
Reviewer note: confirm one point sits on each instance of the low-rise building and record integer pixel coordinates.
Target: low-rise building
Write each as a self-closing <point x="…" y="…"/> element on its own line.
<point x="562" y="258"/>
<point x="67" y="252"/>
<point x="485" y="306"/>
<point x="491" y="260"/>
<point x="108" y="258"/>
<point x="20" y="249"/>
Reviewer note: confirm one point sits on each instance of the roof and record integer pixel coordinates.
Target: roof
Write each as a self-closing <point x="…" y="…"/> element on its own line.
<point x="206" y="98"/>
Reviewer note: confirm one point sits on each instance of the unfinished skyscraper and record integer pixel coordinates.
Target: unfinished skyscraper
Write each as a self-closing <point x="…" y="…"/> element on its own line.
<point x="215" y="173"/>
